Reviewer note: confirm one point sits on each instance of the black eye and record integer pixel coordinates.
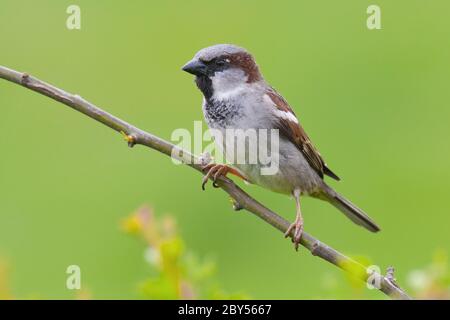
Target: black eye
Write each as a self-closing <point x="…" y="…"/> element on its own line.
<point x="220" y="62"/>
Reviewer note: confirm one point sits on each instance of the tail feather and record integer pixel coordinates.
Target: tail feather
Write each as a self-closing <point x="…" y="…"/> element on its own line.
<point x="350" y="210"/>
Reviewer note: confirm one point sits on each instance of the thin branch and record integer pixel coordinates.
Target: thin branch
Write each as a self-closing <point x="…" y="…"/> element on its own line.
<point x="240" y="198"/>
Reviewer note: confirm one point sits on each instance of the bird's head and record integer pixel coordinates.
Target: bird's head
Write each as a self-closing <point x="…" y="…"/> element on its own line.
<point x="222" y="68"/>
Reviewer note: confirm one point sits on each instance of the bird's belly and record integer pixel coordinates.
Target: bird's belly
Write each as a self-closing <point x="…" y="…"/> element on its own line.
<point x="288" y="171"/>
<point x="287" y="168"/>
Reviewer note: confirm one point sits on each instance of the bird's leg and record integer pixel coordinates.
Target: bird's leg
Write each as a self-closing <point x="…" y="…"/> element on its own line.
<point x="297" y="225"/>
<point x="215" y="171"/>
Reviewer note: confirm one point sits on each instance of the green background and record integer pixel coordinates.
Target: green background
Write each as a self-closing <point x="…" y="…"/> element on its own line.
<point x="375" y="103"/>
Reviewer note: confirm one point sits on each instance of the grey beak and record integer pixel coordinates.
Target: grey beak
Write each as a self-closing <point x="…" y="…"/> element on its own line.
<point x="195" y="67"/>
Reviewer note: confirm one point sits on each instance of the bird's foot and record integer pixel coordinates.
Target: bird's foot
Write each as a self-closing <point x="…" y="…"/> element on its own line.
<point x="214" y="171"/>
<point x="297" y="226"/>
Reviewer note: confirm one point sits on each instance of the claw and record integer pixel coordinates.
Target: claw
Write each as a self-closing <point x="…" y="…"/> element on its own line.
<point x="214" y="171"/>
<point x="219" y="172"/>
<point x="297" y="226"/>
<point x="208" y="167"/>
<point x="204" y="182"/>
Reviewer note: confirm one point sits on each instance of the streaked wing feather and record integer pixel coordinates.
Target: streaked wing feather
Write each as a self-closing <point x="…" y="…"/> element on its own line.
<point x="297" y="135"/>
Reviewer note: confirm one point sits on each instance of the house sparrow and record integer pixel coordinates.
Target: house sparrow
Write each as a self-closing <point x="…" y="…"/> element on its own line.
<point x="236" y="96"/>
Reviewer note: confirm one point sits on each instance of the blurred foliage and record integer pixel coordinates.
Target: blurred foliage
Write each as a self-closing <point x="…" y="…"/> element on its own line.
<point x="5" y="290"/>
<point x="429" y="282"/>
<point x="432" y="281"/>
<point x="177" y="273"/>
<point x="354" y="273"/>
<point x="332" y="285"/>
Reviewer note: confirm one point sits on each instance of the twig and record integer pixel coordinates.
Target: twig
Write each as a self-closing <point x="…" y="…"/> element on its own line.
<point x="240" y="198"/>
<point x="390" y="276"/>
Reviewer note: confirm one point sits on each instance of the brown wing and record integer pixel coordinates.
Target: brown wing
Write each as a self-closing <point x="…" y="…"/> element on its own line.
<point x="297" y="135"/>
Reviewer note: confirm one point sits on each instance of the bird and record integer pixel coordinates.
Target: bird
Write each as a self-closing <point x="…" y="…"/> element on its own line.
<point x="237" y="97"/>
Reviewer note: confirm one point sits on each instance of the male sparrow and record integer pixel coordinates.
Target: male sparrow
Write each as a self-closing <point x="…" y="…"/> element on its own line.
<point x="236" y="96"/>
